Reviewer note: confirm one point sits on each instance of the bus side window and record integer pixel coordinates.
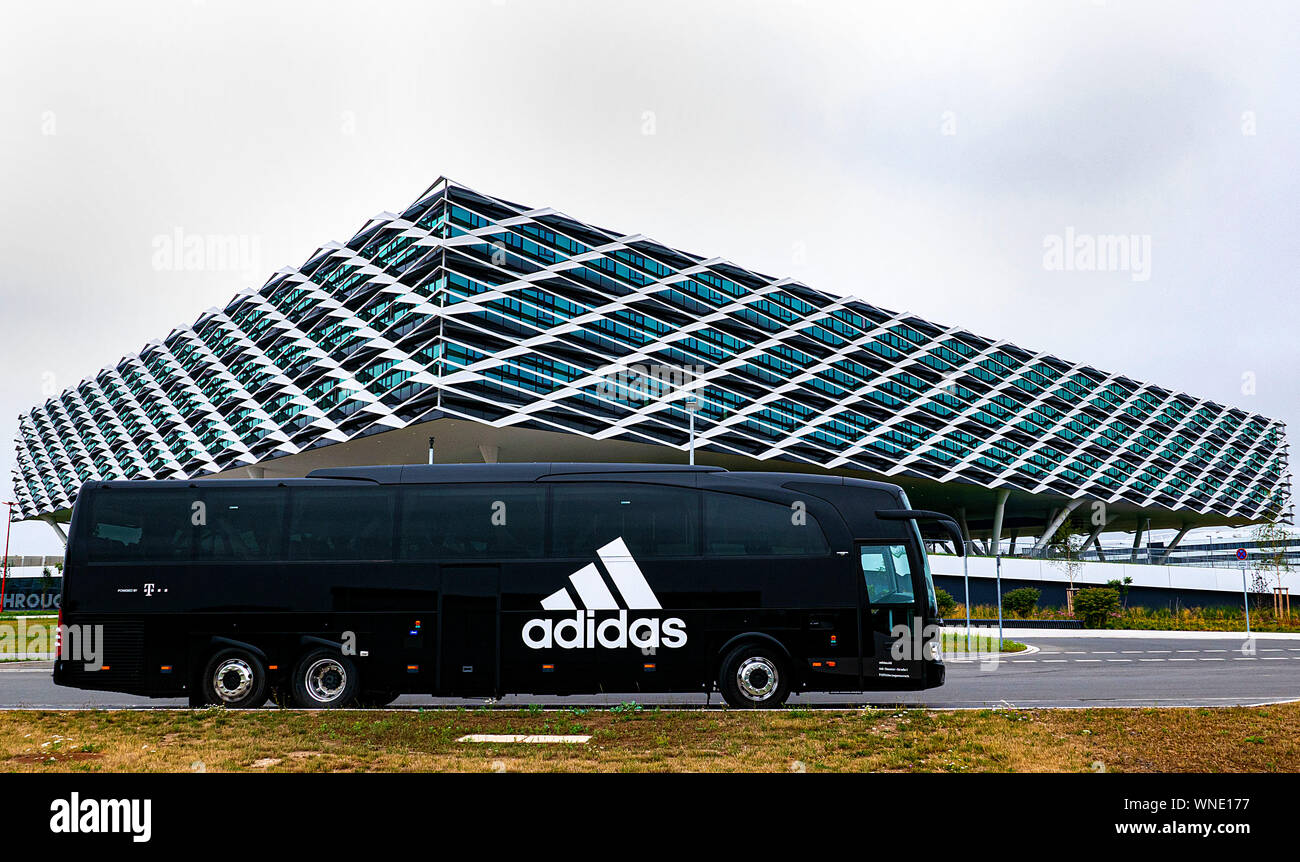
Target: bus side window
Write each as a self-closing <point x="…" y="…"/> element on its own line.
<point x="240" y="525"/>
<point x="130" y="525"/>
<point x="473" y="522"/>
<point x="736" y="526"/>
<point x="652" y="520"/>
<point x="341" y="524"/>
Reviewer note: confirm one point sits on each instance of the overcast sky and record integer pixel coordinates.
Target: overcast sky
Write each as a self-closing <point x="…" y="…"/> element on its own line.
<point x="923" y="157"/>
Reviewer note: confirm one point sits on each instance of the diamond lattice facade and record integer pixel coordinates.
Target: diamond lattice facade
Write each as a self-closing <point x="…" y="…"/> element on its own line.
<point x="473" y="308"/>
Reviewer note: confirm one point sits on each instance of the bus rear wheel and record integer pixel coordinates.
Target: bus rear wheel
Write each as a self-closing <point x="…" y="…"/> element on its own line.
<point x="754" y="676"/>
<point x="234" y="678"/>
<point x="325" y="679"/>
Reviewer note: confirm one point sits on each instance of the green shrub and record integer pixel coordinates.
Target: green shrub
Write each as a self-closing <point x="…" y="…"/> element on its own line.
<point x="1094" y="606"/>
<point x="947" y="604"/>
<point x="1021" y="602"/>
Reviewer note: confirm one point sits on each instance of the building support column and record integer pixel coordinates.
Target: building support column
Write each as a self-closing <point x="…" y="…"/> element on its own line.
<point x="58" y="530"/>
<point x="1182" y="531"/>
<point x="965" y="532"/>
<point x="999" y="510"/>
<point x="1143" y="525"/>
<point x="1011" y="548"/>
<point x="255" y="472"/>
<point x="1054" y="525"/>
<point x="1095" y="534"/>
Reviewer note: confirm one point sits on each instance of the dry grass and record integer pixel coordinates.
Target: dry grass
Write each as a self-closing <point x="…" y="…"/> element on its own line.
<point x="1236" y="739"/>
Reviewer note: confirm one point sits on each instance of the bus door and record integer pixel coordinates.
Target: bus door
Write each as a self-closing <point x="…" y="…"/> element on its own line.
<point x="890" y="599"/>
<point x="469" y="633"/>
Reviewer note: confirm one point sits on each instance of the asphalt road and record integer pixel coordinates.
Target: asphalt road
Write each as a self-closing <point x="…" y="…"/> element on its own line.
<point x="1064" y="672"/>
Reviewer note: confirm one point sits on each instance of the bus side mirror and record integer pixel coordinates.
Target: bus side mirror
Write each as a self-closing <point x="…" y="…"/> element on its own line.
<point x="944" y="521"/>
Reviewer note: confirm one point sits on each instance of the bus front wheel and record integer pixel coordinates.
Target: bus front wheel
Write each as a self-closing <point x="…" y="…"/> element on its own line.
<point x="754" y="676"/>
<point x="234" y="678"/>
<point x="325" y="679"/>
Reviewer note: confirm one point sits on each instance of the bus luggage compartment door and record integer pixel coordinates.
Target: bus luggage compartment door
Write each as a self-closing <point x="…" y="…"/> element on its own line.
<point x="468" y="631"/>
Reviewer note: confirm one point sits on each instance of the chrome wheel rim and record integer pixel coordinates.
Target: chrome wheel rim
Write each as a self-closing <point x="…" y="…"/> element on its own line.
<point x="232" y="680"/>
<point x="326" y="680"/>
<point x="756" y="677"/>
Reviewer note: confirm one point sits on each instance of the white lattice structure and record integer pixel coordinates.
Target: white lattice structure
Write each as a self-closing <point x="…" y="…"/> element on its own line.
<point x="469" y="306"/>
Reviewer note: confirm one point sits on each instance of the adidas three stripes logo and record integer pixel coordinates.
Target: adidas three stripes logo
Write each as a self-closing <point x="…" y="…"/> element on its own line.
<point x="583" y="630"/>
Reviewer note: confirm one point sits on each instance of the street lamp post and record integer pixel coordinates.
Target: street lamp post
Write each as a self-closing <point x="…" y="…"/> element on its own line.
<point x="4" y="577"/>
<point x="692" y="405"/>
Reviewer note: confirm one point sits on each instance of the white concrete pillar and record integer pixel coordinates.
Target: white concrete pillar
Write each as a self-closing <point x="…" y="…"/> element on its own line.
<point x="1055" y="524"/>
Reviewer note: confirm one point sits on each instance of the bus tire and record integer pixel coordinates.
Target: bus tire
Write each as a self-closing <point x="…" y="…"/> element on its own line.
<point x="754" y="675"/>
<point x="325" y="679"/>
<point x="234" y="678"/>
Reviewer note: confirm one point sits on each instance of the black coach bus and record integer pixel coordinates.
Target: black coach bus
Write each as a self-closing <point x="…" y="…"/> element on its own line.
<point x="354" y="586"/>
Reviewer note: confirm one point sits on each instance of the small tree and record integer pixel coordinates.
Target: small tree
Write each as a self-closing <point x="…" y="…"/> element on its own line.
<point x="947" y="604"/>
<point x="1094" y="605"/>
<point x="1021" y="602"/>
<point x="1272" y="542"/>
<point x="1063" y="550"/>
<point x="47" y="583"/>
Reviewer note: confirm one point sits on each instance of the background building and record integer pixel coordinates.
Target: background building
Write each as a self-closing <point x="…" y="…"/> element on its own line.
<point x="505" y="332"/>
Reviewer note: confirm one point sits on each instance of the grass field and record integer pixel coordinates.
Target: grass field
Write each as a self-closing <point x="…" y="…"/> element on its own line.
<point x="32" y="634"/>
<point x="978" y="642"/>
<point x="630" y="738"/>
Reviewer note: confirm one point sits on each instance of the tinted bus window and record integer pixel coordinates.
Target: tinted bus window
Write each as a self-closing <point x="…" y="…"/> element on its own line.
<point x="887" y="573"/>
<point x="341" y="524"/>
<point x="654" y="520"/>
<point x="140" y="526"/>
<point x="473" y="522"/>
<point x="741" y="526"/>
<point x="240" y="525"/>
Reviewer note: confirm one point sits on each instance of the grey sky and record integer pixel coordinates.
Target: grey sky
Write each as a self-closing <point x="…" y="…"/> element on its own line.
<point x="915" y="157"/>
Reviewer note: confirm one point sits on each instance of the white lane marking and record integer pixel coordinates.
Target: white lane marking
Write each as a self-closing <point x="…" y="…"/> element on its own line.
<point x="520" y="737"/>
<point x="1103" y="652"/>
<point x="1150" y="659"/>
<point x="1081" y="660"/>
<point x="1273" y="658"/>
<point x="1076" y="652"/>
<point x="1189" y="650"/>
<point x="1127" y="651"/>
<point x="1055" y="660"/>
<point x="1244" y="658"/>
<point x="1211" y="659"/>
<point x="1216" y="650"/>
<point x="1182" y="659"/>
<point x="1119" y="659"/>
<point x="1157" y="650"/>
